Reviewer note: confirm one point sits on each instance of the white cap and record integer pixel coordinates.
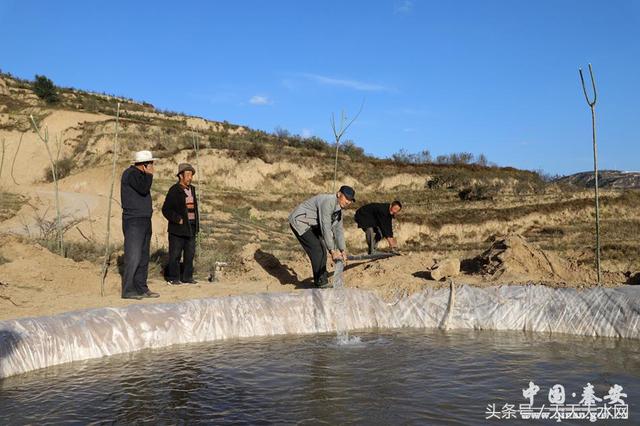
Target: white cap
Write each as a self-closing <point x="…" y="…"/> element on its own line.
<point x="143" y="157"/>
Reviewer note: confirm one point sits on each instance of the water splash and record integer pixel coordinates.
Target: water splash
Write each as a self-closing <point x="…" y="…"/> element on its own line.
<point x="346" y="340"/>
<point x="342" y="332"/>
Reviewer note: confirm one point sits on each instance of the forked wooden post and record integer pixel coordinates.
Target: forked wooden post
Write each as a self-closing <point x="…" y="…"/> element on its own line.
<point x="592" y="105"/>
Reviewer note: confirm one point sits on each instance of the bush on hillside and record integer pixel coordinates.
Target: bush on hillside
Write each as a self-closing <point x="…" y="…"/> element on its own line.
<point x="44" y="88"/>
<point x="478" y="193"/>
<point x="256" y="150"/>
<point x="405" y="157"/>
<point x="351" y="149"/>
<point x="63" y="169"/>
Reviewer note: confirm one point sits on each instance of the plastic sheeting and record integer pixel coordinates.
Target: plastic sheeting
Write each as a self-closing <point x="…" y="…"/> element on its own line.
<point x="32" y="343"/>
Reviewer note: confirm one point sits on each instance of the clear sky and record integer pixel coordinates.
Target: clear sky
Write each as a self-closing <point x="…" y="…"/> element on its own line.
<point x="497" y="77"/>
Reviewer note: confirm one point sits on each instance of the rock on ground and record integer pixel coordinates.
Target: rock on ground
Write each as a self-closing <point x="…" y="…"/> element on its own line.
<point x="445" y="268"/>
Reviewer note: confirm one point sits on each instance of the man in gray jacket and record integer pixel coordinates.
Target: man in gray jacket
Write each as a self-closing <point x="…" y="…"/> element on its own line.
<point x="317" y="224"/>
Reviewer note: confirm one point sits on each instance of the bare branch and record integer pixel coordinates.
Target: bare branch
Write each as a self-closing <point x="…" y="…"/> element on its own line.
<point x="9" y="299"/>
<point x="84" y="236"/>
<point x="45" y="139"/>
<point x="14" y="158"/>
<point x="338" y="133"/>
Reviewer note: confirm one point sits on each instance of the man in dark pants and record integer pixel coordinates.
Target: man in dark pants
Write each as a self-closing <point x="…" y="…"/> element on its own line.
<point x="375" y="220"/>
<point x="317" y="224"/>
<point x="135" y="196"/>
<point x="180" y="208"/>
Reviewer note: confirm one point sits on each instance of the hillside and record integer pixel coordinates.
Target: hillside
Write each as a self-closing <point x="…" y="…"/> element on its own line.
<point x="606" y="179"/>
<point x="248" y="182"/>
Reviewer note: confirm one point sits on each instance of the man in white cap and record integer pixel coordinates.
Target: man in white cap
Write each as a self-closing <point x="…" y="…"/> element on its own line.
<point x="135" y="196"/>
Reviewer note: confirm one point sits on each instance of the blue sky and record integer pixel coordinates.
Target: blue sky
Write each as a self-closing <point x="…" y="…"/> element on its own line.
<point x="497" y="77"/>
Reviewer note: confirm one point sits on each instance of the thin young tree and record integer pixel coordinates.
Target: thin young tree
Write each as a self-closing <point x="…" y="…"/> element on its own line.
<point x="338" y="132"/>
<point x="2" y="158"/>
<point x="3" y="142"/>
<point x="107" y="247"/>
<point x="592" y="106"/>
<point x="45" y="140"/>
<point x="196" y="149"/>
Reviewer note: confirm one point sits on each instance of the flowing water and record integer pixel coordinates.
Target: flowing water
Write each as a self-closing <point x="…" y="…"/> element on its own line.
<point x="342" y="332"/>
<point x="389" y="377"/>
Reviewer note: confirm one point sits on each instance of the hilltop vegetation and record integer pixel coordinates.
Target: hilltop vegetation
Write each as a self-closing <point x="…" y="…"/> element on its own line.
<point x="174" y="132"/>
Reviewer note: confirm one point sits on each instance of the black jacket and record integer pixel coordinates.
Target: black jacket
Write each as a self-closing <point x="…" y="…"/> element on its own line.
<point x="175" y="208"/>
<point x="375" y="215"/>
<point x="135" y="194"/>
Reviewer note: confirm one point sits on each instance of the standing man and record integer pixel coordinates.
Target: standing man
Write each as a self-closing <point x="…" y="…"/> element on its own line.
<point x="180" y="208"/>
<point x="135" y="196"/>
<point x="375" y="220"/>
<point x="317" y="224"/>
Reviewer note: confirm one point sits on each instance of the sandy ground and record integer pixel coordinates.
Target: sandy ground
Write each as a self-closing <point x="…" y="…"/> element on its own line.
<point x="36" y="282"/>
<point x="26" y="158"/>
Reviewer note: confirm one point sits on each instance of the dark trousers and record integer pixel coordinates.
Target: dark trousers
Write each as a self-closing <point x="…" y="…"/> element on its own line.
<point x="311" y="242"/>
<point x="373" y="238"/>
<point x="178" y="246"/>
<point x="137" y="241"/>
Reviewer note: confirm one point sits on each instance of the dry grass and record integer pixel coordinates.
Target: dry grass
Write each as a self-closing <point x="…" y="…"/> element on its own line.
<point x="77" y="250"/>
<point x="10" y="204"/>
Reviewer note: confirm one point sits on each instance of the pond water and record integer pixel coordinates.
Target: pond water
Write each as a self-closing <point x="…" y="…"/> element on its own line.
<point x="387" y="377"/>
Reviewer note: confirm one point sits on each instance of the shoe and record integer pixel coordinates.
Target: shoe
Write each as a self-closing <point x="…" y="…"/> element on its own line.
<point x="132" y="296"/>
<point x="323" y="284"/>
<point x="174" y="282"/>
<point x="192" y="281"/>
<point x="150" y="295"/>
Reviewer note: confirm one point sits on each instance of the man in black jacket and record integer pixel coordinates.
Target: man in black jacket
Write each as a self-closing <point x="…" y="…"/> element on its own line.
<point x="375" y="220"/>
<point x="180" y="208"/>
<point x="135" y="196"/>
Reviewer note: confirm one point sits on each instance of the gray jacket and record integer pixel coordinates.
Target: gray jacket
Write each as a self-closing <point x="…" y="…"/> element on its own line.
<point x="320" y="211"/>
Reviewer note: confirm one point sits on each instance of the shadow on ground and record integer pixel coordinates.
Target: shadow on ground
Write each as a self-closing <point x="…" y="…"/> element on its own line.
<point x="283" y="273"/>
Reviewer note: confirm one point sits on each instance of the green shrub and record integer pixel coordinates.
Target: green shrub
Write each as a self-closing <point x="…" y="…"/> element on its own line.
<point x="45" y="89"/>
